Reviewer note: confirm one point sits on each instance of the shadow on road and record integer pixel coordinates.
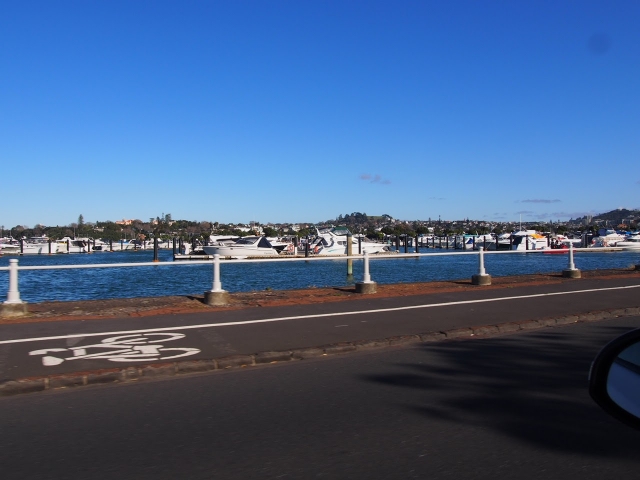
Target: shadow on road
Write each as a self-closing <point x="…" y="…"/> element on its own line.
<point x="531" y="387"/>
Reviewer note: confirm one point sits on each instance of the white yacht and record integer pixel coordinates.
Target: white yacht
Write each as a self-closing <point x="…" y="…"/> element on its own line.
<point x="632" y="242"/>
<point x="471" y="242"/>
<point x="242" y="248"/>
<point x="577" y="242"/>
<point x="334" y="242"/>
<point x="72" y="245"/>
<point x="281" y="245"/>
<point x="607" y="238"/>
<point x="503" y="241"/>
<point x="37" y="246"/>
<point x="528" y="240"/>
<point x="8" y="246"/>
<point x="222" y="239"/>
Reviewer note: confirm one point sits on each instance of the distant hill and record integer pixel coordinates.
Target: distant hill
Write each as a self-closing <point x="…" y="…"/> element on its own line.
<point x="616" y="217"/>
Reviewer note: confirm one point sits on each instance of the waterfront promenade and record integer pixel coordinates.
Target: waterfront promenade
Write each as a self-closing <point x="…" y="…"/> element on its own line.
<point x="72" y="344"/>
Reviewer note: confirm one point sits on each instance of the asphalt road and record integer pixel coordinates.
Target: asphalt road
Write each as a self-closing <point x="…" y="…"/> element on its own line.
<point x="49" y="348"/>
<point x="505" y="407"/>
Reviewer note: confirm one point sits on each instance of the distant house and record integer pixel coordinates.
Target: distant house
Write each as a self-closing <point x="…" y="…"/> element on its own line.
<point x="124" y="222"/>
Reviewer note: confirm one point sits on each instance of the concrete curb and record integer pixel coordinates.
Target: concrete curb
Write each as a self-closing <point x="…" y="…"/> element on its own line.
<point x="164" y="370"/>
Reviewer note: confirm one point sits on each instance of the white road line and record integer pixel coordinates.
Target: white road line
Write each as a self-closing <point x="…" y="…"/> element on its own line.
<point x="304" y="317"/>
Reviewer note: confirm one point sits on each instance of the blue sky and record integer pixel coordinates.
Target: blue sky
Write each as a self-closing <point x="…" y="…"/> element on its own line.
<point x="289" y="111"/>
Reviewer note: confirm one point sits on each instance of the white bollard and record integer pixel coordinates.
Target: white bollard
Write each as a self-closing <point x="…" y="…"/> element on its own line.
<point x="366" y="276"/>
<point x="481" y="278"/>
<point x="572" y="265"/>
<point x="13" y="295"/>
<point x="481" y="270"/>
<point x="572" y="271"/>
<point x="216" y="296"/>
<point x="217" y="284"/>
<point x="366" y="286"/>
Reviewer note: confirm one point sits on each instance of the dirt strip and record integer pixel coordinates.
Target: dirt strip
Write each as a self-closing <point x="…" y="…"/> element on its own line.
<point x="141" y="307"/>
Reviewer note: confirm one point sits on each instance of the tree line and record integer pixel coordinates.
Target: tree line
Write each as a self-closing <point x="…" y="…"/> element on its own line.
<point x="374" y="227"/>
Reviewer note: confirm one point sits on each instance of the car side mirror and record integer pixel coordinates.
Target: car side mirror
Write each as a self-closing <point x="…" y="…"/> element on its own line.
<point x="614" y="378"/>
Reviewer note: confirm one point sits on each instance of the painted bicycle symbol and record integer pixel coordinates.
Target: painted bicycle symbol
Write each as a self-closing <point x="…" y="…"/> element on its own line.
<point x="123" y="348"/>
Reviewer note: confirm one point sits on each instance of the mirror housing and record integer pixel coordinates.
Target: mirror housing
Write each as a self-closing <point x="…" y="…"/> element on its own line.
<point x="614" y="378"/>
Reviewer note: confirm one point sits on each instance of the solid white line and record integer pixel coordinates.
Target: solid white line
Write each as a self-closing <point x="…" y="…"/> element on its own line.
<point x="303" y="317"/>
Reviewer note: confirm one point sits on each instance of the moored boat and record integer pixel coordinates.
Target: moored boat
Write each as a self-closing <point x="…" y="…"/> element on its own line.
<point x="8" y="246"/>
<point x="72" y="245"/>
<point x="475" y="242"/>
<point x="632" y="242"/>
<point x="242" y="248"/>
<point x="607" y="238"/>
<point x="335" y="242"/>
<point x="38" y="246"/>
<point x="576" y="242"/>
<point x="528" y="240"/>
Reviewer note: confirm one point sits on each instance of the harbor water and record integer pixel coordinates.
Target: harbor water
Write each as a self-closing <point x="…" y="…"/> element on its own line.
<point x="181" y="278"/>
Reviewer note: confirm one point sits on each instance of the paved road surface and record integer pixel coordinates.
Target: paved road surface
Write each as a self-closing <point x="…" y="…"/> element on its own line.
<point x="28" y="350"/>
<point x="506" y="407"/>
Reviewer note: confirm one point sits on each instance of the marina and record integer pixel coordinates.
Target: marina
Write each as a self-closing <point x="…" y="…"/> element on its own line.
<point x="60" y="281"/>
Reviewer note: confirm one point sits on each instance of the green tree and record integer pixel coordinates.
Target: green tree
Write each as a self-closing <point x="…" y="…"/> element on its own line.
<point x="269" y="231"/>
<point x="110" y="231"/>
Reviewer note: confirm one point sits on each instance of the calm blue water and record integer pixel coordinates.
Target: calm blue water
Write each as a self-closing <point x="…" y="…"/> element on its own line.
<point x="186" y="279"/>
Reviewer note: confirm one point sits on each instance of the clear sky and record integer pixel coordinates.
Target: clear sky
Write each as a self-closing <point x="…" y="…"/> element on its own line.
<point x="298" y="111"/>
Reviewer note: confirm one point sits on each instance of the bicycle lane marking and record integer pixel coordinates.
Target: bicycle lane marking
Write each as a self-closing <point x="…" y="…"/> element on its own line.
<point x="123" y="348"/>
<point x="303" y="317"/>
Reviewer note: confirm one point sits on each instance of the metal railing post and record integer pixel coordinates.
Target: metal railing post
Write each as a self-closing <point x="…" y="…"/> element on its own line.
<point x="13" y="294"/>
